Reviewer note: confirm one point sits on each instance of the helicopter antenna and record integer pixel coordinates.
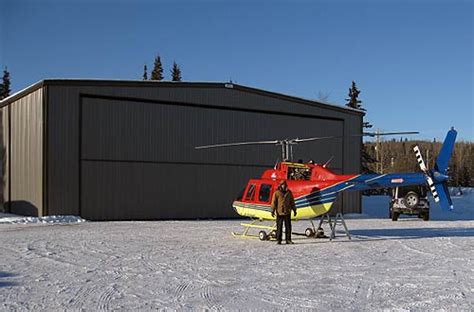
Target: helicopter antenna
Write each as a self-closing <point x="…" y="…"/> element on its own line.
<point x="327" y="162"/>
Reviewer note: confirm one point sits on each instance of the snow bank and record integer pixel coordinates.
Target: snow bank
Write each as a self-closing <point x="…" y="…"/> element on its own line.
<point x="378" y="206"/>
<point x="6" y="218"/>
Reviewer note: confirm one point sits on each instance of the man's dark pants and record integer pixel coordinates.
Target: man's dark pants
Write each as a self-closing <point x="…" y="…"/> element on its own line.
<point x="280" y="220"/>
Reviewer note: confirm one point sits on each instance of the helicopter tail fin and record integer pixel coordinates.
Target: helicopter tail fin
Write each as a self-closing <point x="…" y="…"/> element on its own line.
<point x="444" y="155"/>
<point x="437" y="179"/>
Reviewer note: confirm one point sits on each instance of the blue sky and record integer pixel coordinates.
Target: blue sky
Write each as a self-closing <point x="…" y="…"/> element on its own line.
<point x="413" y="60"/>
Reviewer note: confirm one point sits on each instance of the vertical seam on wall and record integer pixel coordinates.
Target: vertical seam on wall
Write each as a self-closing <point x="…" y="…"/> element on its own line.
<point x="80" y="158"/>
<point x="45" y="151"/>
<point x="9" y="160"/>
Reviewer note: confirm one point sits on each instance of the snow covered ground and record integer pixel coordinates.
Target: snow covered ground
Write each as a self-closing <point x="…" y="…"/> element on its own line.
<point x="409" y="264"/>
<point x="404" y="265"/>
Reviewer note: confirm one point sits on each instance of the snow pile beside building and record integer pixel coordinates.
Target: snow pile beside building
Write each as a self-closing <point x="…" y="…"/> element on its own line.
<point x="463" y="201"/>
<point x="15" y="219"/>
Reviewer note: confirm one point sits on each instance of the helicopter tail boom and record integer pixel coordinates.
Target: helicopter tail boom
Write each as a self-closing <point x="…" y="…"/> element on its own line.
<point x="436" y="179"/>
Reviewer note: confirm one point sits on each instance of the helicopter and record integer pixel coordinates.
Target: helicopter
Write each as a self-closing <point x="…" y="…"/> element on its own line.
<point x="315" y="187"/>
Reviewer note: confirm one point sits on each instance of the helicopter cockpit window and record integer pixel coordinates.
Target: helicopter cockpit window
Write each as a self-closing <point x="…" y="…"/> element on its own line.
<point x="299" y="173"/>
<point x="265" y="191"/>
<point x="250" y="192"/>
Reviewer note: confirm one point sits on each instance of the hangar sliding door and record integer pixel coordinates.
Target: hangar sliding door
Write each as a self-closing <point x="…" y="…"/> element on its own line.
<point x="137" y="157"/>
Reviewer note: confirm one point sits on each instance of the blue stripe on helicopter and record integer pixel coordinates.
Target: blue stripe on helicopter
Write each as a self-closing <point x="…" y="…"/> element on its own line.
<point x="329" y="191"/>
<point x="361" y="182"/>
<point x="325" y="195"/>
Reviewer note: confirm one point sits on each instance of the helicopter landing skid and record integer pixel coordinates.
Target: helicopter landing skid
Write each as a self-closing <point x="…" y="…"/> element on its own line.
<point x="263" y="235"/>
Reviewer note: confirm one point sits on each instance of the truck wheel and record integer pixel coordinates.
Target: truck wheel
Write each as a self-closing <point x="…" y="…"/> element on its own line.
<point x="426" y="216"/>
<point x="395" y="215"/>
<point x="411" y="199"/>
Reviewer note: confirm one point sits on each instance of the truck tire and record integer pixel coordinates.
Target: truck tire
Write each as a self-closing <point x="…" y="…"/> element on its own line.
<point x="395" y="215"/>
<point x="411" y="200"/>
<point x="426" y="216"/>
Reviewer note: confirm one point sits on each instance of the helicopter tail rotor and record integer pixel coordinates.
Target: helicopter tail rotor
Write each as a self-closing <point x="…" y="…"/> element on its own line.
<point x="437" y="179"/>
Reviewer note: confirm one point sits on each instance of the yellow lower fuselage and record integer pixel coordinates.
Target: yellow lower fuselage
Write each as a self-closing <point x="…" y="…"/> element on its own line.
<point x="264" y="212"/>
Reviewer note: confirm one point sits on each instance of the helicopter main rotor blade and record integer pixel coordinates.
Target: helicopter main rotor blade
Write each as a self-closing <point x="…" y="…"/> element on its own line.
<point x="374" y="134"/>
<point x="295" y="141"/>
<point x="317" y="138"/>
<point x="371" y="134"/>
<point x="238" y="144"/>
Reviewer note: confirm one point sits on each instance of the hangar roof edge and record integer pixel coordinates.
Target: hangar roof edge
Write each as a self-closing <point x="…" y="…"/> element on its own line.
<point x="135" y="83"/>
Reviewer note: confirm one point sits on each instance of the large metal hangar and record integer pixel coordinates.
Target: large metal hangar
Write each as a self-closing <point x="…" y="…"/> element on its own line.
<point x="124" y="150"/>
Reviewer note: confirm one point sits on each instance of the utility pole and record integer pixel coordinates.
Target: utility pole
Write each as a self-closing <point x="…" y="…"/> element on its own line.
<point x="379" y="165"/>
<point x="428" y="158"/>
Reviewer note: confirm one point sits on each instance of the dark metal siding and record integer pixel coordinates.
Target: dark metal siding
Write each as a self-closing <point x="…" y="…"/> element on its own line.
<point x="352" y="156"/>
<point x="132" y="138"/>
<point x="121" y="130"/>
<point x="63" y="151"/>
<point x="143" y="153"/>
<point x="25" y="153"/>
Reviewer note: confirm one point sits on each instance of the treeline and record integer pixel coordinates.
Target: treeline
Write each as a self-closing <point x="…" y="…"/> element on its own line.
<point x="398" y="156"/>
<point x="157" y="71"/>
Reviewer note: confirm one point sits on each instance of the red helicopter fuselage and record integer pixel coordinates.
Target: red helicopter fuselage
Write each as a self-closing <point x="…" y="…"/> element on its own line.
<point x="306" y="181"/>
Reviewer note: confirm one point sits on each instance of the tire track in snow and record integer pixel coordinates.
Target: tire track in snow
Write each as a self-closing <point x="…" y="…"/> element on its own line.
<point x="207" y="294"/>
<point x="175" y="294"/>
<point x="180" y="289"/>
<point x="83" y="295"/>
<point x="107" y="296"/>
<point x="407" y="246"/>
<point x="47" y="253"/>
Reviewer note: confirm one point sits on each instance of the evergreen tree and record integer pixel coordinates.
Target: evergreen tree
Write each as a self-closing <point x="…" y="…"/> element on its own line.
<point x="157" y="73"/>
<point x="353" y="100"/>
<point x="145" y="73"/>
<point x="5" y="86"/>
<point x="175" y="72"/>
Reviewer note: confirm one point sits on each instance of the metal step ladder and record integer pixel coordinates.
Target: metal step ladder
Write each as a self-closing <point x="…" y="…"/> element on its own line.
<point x="333" y="223"/>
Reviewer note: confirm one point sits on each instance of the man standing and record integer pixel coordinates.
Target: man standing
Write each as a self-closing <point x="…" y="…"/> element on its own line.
<point x="282" y="204"/>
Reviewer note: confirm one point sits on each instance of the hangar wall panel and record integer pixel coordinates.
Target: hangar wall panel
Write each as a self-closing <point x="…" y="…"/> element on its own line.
<point x="143" y="154"/>
<point x="5" y="157"/>
<point x="352" y="155"/>
<point x="26" y="155"/>
<point x="138" y="131"/>
<point x="65" y="114"/>
<point x="121" y="191"/>
<point x="63" y="151"/>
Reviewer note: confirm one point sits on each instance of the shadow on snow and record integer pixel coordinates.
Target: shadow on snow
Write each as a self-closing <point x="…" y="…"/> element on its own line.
<point x="6" y="283"/>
